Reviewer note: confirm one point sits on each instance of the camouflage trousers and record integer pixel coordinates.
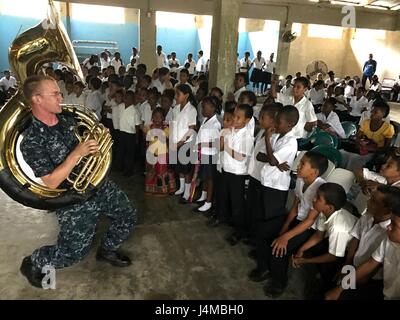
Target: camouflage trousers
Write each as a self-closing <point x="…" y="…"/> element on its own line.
<point x="78" y="227"/>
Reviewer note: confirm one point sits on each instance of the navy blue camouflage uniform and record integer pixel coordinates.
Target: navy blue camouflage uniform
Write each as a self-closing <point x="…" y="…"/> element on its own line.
<point x="44" y="148"/>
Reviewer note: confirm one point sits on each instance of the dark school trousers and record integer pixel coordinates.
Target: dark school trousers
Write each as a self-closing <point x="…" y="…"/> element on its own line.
<point x="125" y="159"/>
<point x="233" y="201"/>
<point x="254" y="212"/>
<point x="371" y="290"/>
<point x="278" y="266"/>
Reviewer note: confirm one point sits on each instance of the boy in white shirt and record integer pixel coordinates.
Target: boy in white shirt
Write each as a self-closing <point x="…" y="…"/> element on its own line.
<point x="240" y="86"/>
<point x="192" y="64"/>
<point x="358" y="104"/>
<point x="308" y="119"/>
<point x="254" y="212"/>
<point x="163" y="82"/>
<point x="387" y="255"/>
<point x="94" y="99"/>
<point x="116" y="62"/>
<point x="328" y="244"/>
<point x="329" y="121"/>
<point x="237" y="147"/>
<point x="317" y="94"/>
<point x="129" y="126"/>
<point x="173" y="63"/>
<point x="287" y="89"/>
<point x="207" y="142"/>
<point x="116" y="109"/>
<point x="149" y="106"/>
<point x="167" y="104"/>
<point x="201" y="63"/>
<point x="69" y="93"/>
<point x="80" y="96"/>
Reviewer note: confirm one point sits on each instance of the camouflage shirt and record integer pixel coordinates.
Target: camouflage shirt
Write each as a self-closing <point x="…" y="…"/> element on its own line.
<point x="44" y="148"/>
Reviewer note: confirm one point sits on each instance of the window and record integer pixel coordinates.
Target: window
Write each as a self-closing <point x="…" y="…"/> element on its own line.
<point x="175" y="20"/>
<point x="26" y="8"/>
<point x="368" y="34"/>
<point x="296" y="27"/>
<point x="100" y="14"/>
<point x="323" y="31"/>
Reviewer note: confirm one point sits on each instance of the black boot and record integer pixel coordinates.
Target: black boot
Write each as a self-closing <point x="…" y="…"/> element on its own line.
<point x="31" y="272"/>
<point x="113" y="257"/>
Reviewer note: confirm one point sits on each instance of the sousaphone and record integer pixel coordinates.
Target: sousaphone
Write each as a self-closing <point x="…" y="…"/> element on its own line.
<point x="44" y="43"/>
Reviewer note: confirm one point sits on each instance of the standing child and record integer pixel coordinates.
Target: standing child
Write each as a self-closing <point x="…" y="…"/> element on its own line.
<point x="117" y="108"/>
<point x="80" y="96"/>
<point x="184" y="124"/>
<point x="159" y="179"/>
<point x="207" y="141"/>
<point x="150" y="106"/>
<point x="129" y="126"/>
<point x="237" y="146"/>
<point x="167" y="104"/>
<point x="387" y="255"/>
<point x="328" y="244"/>
<point x="94" y="98"/>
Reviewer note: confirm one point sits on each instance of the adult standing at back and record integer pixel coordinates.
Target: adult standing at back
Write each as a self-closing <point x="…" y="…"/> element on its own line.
<point x="269" y="70"/>
<point x="162" y="60"/>
<point x="201" y="63"/>
<point x="256" y="76"/>
<point x="369" y="70"/>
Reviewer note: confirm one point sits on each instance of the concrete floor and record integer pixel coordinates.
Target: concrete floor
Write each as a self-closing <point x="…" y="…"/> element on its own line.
<point x="175" y="256"/>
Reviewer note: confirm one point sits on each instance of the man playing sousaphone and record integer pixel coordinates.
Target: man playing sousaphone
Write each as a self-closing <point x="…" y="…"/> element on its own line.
<point x="52" y="150"/>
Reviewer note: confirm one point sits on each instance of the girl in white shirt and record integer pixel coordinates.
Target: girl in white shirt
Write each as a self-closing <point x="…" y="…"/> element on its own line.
<point x="183" y="128"/>
<point x="256" y="76"/>
<point x="207" y="143"/>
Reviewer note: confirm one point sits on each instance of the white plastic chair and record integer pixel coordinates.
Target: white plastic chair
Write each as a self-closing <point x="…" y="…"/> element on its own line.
<point x="360" y="202"/>
<point x="328" y="172"/>
<point x="343" y="177"/>
<point x="297" y="160"/>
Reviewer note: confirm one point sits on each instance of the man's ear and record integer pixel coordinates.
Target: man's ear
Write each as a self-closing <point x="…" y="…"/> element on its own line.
<point x="35" y="99"/>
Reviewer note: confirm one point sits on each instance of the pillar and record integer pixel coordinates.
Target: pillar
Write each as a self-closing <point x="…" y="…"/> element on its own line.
<point x="147" y="42"/>
<point x="224" y="43"/>
<point x="282" y="58"/>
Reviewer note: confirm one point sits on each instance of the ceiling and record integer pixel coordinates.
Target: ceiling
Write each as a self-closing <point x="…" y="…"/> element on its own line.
<point x="371" y="4"/>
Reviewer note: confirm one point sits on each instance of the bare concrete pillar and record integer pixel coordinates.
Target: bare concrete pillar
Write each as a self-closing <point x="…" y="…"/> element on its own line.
<point x="224" y="43"/>
<point x="148" y="39"/>
<point x="282" y="59"/>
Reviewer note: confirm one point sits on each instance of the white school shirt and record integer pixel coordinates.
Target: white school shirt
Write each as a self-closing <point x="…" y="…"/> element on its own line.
<point x="116" y="114"/>
<point x="176" y="61"/>
<point x="8" y="83"/>
<point x="370" y="236"/>
<point x="192" y="67"/>
<point x="287" y="91"/>
<point x="162" y="60"/>
<point x="376" y="87"/>
<point x="224" y="132"/>
<point x="241" y="141"/>
<point x="169" y="116"/>
<point x="244" y="65"/>
<point x="334" y="121"/>
<point x="94" y="100"/>
<point x="348" y="91"/>
<point x="251" y="125"/>
<point x="201" y="65"/>
<point x="269" y="67"/>
<point x="388" y="253"/>
<point x="258" y="64"/>
<point x="337" y="228"/>
<point x="340" y="103"/>
<point x="79" y="100"/>
<point x="69" y="98"/>
<point x="329" y="82"/>
<point x="209" y="132"/>
<point x="105" y="63"/>
<point x="285" y="150"/>
<point x="370" y="175"/>
<point x="116" y="64"/>
<point x="306" y="113"/>
<point x="147" y="113"/>
<point x="317" y="97"/>
<point x="158" y="85"/>
<point x="238" y="92"/>
<point x="88" y="65"/>
<point x="182" y="120"/>
<point x="306" y="198"/>
<point x="256" y="166"/>
<point x="129" y="119"/>
<point x="358" y="105"/>
<point x="137" y="60"/>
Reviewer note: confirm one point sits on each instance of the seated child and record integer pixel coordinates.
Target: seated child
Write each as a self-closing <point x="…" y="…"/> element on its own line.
<point x="329" y="121"/>
<point x="387" y="254"/>
<point x="159" y="179"/>
<point x="328" y="244"/>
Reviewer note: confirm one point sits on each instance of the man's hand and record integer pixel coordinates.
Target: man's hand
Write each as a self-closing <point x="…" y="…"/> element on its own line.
<point x="85" y="148"/>
<point x="279" y="246"/>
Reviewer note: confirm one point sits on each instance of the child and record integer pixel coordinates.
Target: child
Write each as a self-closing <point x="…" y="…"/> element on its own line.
<point x="167" y="104"/>
<point x="253" y="195"/>
<point x="116" y="62"/>
<point x="184" y="124"/>
<point x="80" y="97"/>
<point x="69" y="93"/>
<point x="328" y="244"/>
<point x="207" y="141"/>
<point x="219" y="216"/>
<point x="149" y="107"/>
<point x="240" y="86"/>
<point x="117" y="109"/>
<point x="329" y="121"/>
<point x="297" y="228"/>
<point x="287" y="89"/>
<point x="129" y="126"/>
<point x="317" y="94"/>
<point x="94" y="98"/>
<point x="159" y="179"/>
<point x="248" y="97"/>
<point x="358" y="104"/>
<point x="184" y="78"/>
<point x="308" y="119"/>
<point x="349" y="90"/>
<point x="163" y="81"/>
<point x="386" y="254"/>
<point x="237" y="146"/>
<point x="256" y="75"/>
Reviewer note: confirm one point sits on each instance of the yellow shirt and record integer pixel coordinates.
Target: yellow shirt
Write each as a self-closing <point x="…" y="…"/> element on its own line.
<point x="386" y="131"/>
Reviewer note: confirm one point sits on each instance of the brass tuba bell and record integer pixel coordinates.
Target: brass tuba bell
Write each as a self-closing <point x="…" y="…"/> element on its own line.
<point x="47" y="42"/>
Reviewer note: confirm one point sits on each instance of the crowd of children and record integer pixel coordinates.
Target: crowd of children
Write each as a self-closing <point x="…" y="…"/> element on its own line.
<point x="234" y="159"/>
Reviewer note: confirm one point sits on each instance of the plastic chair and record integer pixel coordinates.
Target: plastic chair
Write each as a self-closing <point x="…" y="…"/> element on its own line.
<point x="331" y="168"/>
<point x="297" y="160"/>
<point x="323" y="138"/>
<point x="331" y="153"/>
<point x="350" y="128"/>
<point x="343" y="177"/>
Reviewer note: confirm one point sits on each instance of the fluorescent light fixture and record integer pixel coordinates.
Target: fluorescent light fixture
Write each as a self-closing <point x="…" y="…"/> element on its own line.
<point x="346" y="3"/>
<point x="376" y="7"/>
<point x="396" y="7"/>
<point x="313" y="0"/>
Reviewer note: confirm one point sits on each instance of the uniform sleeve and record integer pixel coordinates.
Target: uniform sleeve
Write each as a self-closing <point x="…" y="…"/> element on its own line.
<point x="370" y="175"/>
<point x="136" y="116"/>
<point x="246" y="145"/>
<point x="192" y="117"/>
<point x="338" y="241"/>
<point x="36" y="157"/>
<point x="356" y="231"/>
<point x="379" y="254"/>
<point x="309" y="113"/>
<point x="287" y="152"/>
<point x="282" y="98"/>
<point x="389" y="132"/>
<point x="321" y="226"/>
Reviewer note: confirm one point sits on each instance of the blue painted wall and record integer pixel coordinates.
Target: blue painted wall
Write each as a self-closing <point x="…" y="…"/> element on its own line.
<point x="182" y="41"/>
